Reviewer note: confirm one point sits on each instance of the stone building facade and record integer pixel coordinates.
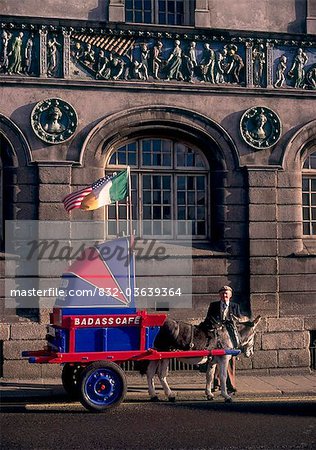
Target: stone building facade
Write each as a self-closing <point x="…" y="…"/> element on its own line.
<point x="212" y="103"/>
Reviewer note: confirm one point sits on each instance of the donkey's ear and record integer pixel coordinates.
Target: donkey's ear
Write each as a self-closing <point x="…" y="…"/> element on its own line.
<point x="256" y="321"/>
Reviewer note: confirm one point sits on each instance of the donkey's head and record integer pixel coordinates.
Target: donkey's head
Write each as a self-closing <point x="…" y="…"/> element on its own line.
<point x="247" y="336"/>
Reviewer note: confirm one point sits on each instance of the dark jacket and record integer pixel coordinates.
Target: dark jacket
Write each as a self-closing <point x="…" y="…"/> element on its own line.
<point x="214" y="313"/>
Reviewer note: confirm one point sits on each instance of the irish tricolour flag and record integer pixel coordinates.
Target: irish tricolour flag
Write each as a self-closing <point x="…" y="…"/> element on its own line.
<point x="102" y="192"/>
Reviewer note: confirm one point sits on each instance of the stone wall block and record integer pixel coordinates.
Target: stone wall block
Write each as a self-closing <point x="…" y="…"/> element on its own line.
<point x="301" y="283"/>
<point x="264" y="304"/>
<point x="235" y="230"/>
<point x="310" y="323"/>
<point x="25" y="175"/>
<point x="262" y="213"/>
<point x="21" y="370"/>
<point x="52" y="211"/>
<point x="28" y="331"/>
<point x="265" y="359"/>
<point x="288" y="179"/>
<point x="289" y="246"/>
<point x="4" y="332"/>
<point x="263" y="247"/>
<point x="14" y="349"/>
<point x="85" y="176"/>
<point x="289" y="196"/>
<point x="263" y="266"/>
<point x="288" y="213"/>
<point x="261" y="178"/>
<point x="294" y="358"/>
<point x="297" y="265"/>
<point x="51" y="371"/>
<point x="23" y="193"/>
<point x="286" y="324"/>
<point x="54" y="175"/>
<point x="243" y="363"/>
<point x="290" y="230"/>
<point x="285" y="340"/>
<point x="57" y="194"/>
<point x="262" y="230"/>
<point x="208" y="266"/>
<point x="262" y="196"/>
<point x="297" y="304"/>
<point x="263" y="283"/>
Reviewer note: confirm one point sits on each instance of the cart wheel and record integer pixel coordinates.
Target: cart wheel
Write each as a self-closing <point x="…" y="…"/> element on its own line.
<point x="70" y="378"/>
<point x="102" y="386"/>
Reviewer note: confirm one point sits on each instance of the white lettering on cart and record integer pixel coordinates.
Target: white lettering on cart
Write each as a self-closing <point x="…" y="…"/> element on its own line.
<point x="85" y="321"/>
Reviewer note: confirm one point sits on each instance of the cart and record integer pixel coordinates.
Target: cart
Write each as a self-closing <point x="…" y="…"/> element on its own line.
<point x="92" y="335"/>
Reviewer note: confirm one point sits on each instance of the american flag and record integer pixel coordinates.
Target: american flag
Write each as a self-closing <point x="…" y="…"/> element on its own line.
<point x="74" y="200"/>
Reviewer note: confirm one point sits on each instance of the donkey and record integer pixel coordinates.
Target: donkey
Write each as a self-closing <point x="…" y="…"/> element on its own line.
<point x="174" y="335"/>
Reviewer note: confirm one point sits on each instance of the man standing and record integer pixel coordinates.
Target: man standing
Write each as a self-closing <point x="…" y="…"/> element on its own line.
<point x="221" y="311"/>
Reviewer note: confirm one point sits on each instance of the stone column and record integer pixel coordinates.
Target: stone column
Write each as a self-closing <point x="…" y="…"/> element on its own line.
<point x="249" y="64"/>
<point x="43" y="53"/>
<point x="269" y="65"/>
<point x="66" y="53"/>
<point x="202" y="14"/>
<point x="117" y="11"/>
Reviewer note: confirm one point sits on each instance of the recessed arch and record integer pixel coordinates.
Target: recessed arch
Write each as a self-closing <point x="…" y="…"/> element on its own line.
<point x="299" y="147"/>
<point x="18" y="152"/>
<point x="188" y="124"/>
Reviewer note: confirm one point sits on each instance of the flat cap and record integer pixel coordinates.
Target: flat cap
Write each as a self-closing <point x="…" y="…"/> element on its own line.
<point x="225" y="288"/>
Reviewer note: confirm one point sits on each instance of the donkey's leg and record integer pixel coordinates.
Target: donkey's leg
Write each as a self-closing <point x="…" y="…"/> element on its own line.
<point x="150" y="373"/>
<point x="210" y="372"/>
<point x="162" y="374"/>
<point x="224" y="360"/>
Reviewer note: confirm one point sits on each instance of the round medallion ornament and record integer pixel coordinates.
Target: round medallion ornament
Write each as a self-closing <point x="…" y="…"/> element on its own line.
<point x="260" y="127"/>
<point x="54" y="120"/>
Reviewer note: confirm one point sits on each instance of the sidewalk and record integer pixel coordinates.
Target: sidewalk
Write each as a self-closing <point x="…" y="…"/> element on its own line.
<point x="187" y="385"/>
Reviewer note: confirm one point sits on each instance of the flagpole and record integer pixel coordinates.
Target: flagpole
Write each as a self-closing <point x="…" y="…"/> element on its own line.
<point x="129" y="205"/>
<point x="117" y="218"/>
<point x="104" y="227"/>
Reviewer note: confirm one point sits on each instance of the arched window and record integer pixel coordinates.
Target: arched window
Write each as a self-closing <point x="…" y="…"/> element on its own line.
<point x="309" y="195"/>
<point x="169" y="189"/>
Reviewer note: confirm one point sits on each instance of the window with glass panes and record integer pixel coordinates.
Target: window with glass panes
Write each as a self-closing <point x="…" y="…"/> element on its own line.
<point x="164" y="12"/>
<point x="169" y="189"/>
<point x="309" y="195"/>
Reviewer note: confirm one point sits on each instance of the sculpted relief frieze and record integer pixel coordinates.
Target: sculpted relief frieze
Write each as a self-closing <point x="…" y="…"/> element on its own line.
<point x="132" y="56"/>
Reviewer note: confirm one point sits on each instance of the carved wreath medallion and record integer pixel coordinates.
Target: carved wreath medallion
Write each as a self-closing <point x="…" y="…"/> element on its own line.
<point x="54" y="120"/>
<point x="260" y="127"/>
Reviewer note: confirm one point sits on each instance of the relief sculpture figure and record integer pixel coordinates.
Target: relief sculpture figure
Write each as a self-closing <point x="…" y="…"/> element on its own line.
<point x="104" y="69"/>
<point x="28" y="54"/>
<point x="16" y="55"/>
<point x="297" y="71"/>
<point x="207" y="64"/>
<point x="236" y="64"/>
<point x="53" y="124"/>
<point x="52" y="56"/>
<point x="157" y="60"/>
<point x="190" y="61"/>
<point x="311" y="77"/>
<point x="258" y="61"/>
<point x="174" y="63"/>
<point x="280" y="72"/>
<point x="4" y="56"/>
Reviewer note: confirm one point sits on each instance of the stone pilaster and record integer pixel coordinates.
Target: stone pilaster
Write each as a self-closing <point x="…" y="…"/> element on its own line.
<point x="66" y="53"/>
<point x="269" y="65"/>
<point x="249" y="64"/>
<point x="43" y="53"/>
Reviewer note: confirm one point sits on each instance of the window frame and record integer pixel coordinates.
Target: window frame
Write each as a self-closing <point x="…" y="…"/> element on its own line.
<point x="188" y="14"/>
<point x="308" y="174"/>
<point x="172" y="170"/>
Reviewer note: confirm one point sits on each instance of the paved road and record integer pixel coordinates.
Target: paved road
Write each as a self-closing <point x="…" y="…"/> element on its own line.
<point x="287" y="423"/>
